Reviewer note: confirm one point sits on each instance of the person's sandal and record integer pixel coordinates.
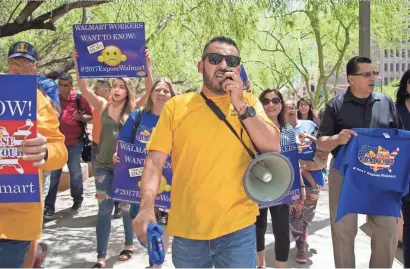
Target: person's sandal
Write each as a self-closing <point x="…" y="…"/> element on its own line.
<point x="127" y="253"/>
<point x="40" y="260"/>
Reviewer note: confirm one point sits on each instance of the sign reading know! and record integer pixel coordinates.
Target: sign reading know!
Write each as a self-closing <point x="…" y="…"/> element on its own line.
<point x="127" y="176"/>
<point x="110" y="49"/>
<point x="19" y="181"/>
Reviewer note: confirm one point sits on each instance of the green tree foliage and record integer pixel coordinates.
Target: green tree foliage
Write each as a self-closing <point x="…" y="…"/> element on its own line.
<point x="390" y="89"/>
<point x="176" y="32"/>
<point x="282" y="42"/>
<point x="318" y="37"/>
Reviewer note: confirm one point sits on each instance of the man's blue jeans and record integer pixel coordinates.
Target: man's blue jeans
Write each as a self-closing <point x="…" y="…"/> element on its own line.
<point x="76" y="177"/>
<point x="406" y="231"/>
<point x="103" y="183"/>
<point x="13" y="253"/>
<point x="235" y="250"/>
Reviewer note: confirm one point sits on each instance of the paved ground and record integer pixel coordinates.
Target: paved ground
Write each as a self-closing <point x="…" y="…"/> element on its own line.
<point x="72" y="239"/>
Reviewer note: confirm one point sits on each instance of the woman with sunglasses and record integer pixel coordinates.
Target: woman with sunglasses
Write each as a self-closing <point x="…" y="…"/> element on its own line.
<point x="403" y="107"/>
<point x="305" y="111"/>
<point x="272" y="102"/>
<point x="303" y="211"/>
<point x="114" y="114"/>
<point x="162" y="91"/>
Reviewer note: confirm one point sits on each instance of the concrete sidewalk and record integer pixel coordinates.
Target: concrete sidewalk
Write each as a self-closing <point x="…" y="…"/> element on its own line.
<point x="72" y="239"/>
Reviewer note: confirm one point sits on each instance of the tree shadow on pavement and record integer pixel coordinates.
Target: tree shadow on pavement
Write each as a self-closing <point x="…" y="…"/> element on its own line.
<point x="71" y="222"/>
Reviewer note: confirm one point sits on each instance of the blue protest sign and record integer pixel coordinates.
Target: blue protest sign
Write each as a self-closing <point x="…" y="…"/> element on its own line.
<point x="110" y="49"/>
<point x="290" y="152"/>
<point x="19" y="181"/>
<point x="127" y="176"/>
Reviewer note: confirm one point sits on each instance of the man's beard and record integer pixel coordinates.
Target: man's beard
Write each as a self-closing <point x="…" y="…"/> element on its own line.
<point x="214" y="88"/>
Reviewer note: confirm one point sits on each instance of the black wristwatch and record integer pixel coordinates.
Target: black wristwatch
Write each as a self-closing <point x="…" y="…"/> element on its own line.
<point x="249" y="113"/>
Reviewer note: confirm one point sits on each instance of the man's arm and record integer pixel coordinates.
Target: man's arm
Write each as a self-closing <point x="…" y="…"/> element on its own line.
<point x="326" y="136"/>
<point x="85" y="111"/>
<point x="327" y="143"/>
<point x="151" y="178"/>
<point x="265" y="136"/>
<point x="48" y="126"/>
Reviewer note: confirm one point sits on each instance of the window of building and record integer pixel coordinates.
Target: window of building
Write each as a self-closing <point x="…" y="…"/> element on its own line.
<point x="397" y="67"/>
<point x="391" y="67"/>
<point x="397" y="53"/>
<point x="391" y="79"/>
<point x="408" y="66"/>
<point x="391" y="53"/>
<point x="386" y="54"/>
<point x="386" y="81"/>
<point x="403" y="67"/>
<point x="386" y="67"/>
<point x="403" y="53"/>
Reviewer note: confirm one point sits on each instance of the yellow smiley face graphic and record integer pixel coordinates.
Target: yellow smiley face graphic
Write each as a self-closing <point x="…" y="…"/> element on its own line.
<point x="163" y="186"/>
<point x="112" y="56"/>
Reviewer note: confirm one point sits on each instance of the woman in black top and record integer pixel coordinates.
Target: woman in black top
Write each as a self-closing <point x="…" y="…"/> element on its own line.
<point x="403" y="107"/>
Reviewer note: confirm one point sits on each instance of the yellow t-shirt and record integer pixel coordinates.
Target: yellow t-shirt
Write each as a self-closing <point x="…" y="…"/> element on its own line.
<point x="23" y="221"/>
<point x="207" y="197"/>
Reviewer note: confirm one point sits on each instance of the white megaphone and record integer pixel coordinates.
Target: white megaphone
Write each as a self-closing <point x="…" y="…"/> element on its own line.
<point x="268" y="178"/>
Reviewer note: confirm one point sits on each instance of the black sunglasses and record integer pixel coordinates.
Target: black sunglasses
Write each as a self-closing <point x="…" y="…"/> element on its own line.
<point x="216" y="58"/>
<point x="276" y="100"/>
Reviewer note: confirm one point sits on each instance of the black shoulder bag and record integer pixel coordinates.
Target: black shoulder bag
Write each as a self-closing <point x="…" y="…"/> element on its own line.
<point x="135" y="126"/>
<point x="217" y="111"/>
<point x="86" y="153"/>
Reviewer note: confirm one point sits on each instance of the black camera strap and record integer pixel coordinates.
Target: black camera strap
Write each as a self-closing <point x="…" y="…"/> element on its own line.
<point x="217" y="111"/>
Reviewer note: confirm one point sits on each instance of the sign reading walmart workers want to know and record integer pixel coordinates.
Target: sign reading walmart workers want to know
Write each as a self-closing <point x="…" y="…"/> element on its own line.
<point x="19" y="181"/>
<point x="128" y="172"/>
<point x="110" y="49"/>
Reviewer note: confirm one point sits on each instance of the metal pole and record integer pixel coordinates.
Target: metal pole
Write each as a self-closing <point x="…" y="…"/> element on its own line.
<point x="364" y="28"/>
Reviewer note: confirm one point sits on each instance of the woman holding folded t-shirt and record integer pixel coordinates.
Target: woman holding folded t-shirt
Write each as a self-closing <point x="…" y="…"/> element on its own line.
<point x="272" y="102"/>
<point x="161" y="92"/>
<point x="403" y="107"/>
<point x="114" y="114"/>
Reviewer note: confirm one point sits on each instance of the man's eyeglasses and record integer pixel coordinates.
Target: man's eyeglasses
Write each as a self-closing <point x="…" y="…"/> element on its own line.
<point x="216" y="58"/>
<point x="367" y="74"/>
<point x="275" y="101"/>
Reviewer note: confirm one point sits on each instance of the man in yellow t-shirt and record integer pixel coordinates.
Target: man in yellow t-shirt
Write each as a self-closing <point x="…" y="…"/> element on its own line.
<point x="211" y="217"/>
<point x="21" y="223"/>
